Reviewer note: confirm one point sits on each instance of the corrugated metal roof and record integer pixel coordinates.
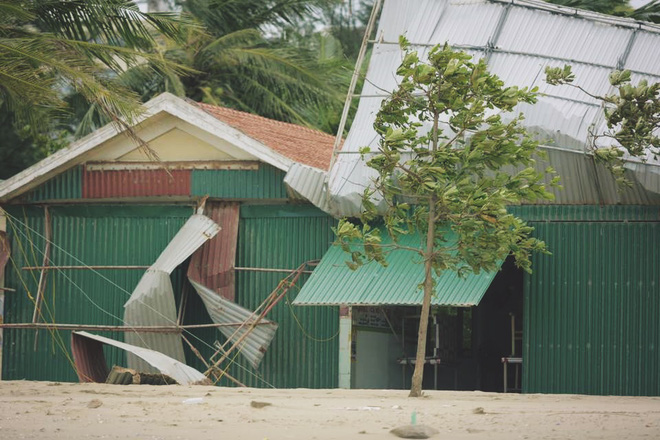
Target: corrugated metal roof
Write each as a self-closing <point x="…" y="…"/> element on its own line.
<point x="309" y="183"/>
<point x="519" y="39"/>
<point x="222" y="311"/>
<point x="333" y="283"/>
<point x="178" y="371"/>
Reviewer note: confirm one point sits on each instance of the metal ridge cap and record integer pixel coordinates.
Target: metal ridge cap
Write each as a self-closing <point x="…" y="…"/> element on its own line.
<point x="582" y="13"/>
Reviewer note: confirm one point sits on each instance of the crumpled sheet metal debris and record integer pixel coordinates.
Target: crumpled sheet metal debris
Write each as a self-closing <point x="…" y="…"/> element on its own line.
<point x="87" y="361"/>
<point x="222" y="311"/>
<point x="192" y="235"/>
<point x="152" y="301"/>
<point x="152" y="304"/>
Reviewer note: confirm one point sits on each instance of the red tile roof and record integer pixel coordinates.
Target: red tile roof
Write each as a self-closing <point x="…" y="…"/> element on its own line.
<point x="300" y="144"/>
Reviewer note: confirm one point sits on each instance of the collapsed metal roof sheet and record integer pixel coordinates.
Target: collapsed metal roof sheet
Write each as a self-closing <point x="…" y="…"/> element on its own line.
<point x="90" y="363"/>
<point x="518" y="39"/>
<point x="152" y="301"/>
<point x="223" y="311"/>
<point x="194" y="233"/>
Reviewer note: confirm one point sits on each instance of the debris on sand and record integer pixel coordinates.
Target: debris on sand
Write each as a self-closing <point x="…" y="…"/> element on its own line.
<point x="94" y="403"/>
<point x="414" y="431"/>
<point x="478" y="410"/>
<point x="256" y="404"/>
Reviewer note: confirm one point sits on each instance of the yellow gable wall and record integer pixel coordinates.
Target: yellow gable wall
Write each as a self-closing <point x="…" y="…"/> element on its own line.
<point x="177" y="145"/>
<point x="172" y="139"/>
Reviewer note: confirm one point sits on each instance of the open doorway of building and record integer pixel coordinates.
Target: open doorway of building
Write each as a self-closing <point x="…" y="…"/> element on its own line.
<point x="465" y="345"/>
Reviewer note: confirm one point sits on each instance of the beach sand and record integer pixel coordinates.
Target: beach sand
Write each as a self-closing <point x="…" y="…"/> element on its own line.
<point x="49" y="410"/>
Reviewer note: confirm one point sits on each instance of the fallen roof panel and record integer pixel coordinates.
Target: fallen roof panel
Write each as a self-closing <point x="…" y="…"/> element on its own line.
<point x="88" y="361"/>
<point x="222" y="311"/>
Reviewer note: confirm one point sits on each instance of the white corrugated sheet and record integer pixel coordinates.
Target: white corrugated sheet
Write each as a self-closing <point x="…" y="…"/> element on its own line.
<point x="152" y="304"/>
<point x="178" y="371"/>
<point x="519" y="39"/>
<point x="197" y="230"/>
<point x="222" y="311"/>
<point x="152" y="301"/>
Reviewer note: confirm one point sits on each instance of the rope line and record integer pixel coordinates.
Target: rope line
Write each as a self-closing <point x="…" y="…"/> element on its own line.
<point x="302" y="328"/>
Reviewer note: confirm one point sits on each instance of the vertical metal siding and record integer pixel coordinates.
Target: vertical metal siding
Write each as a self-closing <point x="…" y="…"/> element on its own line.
<point x="264" y="183"/>
<point x="591" y="310"/>
<point x="586" y="212"/>
<point x="294" y="359"/>
<point x="67" y="185"/>
<point x="96" y="236"/>
<point x="135" y="183"/>
<point x="213" y="264"/>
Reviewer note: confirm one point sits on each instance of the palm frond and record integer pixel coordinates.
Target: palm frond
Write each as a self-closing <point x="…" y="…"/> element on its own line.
<point x="115" y="22"/>
<point x="648" y="12"/>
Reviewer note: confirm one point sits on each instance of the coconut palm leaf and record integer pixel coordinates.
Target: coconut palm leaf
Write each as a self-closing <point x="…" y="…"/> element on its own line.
<point x="51" y="48"/>
<point x="648" y="12"/>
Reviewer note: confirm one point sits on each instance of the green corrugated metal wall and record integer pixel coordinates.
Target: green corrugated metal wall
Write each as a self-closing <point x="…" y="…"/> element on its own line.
<point x="304" y="355"/>
<point x="264" y="183"/>
<point x="592" y="309"/>
<point x="67" y="185"/>
<point x="95" y="236"/>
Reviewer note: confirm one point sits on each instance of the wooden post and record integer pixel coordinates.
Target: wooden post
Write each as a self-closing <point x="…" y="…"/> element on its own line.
<point x="4" y="241"/>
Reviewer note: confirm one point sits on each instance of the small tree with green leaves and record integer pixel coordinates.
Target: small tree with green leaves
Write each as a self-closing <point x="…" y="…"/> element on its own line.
<point x="632" y="115"/>
<point x="452" y="181"/>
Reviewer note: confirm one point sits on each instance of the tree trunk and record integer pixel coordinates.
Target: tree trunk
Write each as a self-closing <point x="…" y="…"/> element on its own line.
<point x="418" y="374"/>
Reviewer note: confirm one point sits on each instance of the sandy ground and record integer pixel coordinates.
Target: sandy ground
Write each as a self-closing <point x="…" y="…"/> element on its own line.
<point x="47" y="410"/>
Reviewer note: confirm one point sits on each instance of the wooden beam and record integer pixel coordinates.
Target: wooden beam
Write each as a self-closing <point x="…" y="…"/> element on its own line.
<point x="267" y="269"/>
<point x="118" y="328"/>
<point x="82" y="267"/>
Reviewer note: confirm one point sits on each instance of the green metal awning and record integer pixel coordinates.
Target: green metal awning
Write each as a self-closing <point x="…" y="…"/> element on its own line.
<point x="333" y="283"/>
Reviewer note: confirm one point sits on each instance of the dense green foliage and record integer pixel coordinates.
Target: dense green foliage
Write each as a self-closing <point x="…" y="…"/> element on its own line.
<point x="632" y="115"/>
<point x="50" y="49"/>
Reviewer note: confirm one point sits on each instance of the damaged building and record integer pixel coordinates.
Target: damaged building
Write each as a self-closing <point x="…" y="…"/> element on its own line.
<point x="169" y="255"/>
<point x="585" y="321"/>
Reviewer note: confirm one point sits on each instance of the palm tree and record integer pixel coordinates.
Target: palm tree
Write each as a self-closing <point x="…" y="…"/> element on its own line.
<point x="621" y="8"/>
<point x="238" y="57"/>
<point x="51" y="47"/>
